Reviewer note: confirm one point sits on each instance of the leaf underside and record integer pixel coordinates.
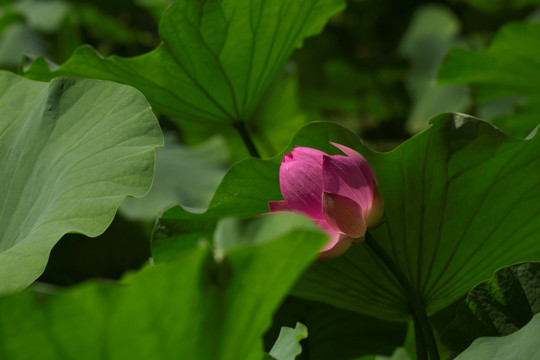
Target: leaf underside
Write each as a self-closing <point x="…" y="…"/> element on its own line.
<point x="70" y="152"/>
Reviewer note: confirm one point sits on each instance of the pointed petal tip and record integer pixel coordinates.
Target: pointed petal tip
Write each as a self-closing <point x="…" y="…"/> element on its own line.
<point x="361" y="161"/>
<point x="301" y="153"/>
<point x="287" y="157"/>
<point x="345" y="149"/>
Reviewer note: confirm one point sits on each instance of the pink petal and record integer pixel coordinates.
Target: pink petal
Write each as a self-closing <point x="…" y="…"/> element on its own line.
<point x="301" y="187"/>
<point x="300" y="153"/>
<point x="375" y="212"/>
<point x="344" y="215"/>
<point x="278" y="206"/>
<point x="337" y="245"/>
<point x="335" y="237"/>
<point x="360" y="160"/>
<point x="343" y="176"/>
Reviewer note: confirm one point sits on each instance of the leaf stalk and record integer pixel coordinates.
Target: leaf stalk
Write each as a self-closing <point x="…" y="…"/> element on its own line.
<point x="425" y="339"/>
<point x="240" y="126"/>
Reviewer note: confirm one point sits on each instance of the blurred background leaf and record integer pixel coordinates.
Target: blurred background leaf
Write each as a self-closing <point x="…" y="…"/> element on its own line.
<point x="491" y="6"/>
<point x="507" y="71"/>
<point x="186" y="176"/>
<point x="433" y="30"/>
<point x="16" y="40"/>
<point x="156" y="7"/>
<point x="44" y="16"/>
<point x="56" y="28"/>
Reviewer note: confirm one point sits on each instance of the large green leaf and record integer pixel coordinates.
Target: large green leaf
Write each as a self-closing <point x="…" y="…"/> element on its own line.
<point x="70" y="151"/>
<point x="217" y="58"/>
<point x="202" y="306"/>
<point x="461" y="201"/>
<point x="496" y="308"/>
<point x="521" y="345"/>
<point x="508" y="68"/>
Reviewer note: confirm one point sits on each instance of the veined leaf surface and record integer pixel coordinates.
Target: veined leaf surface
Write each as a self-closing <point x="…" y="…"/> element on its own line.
<point x="217" y="58"/>
<point x="70" y="151"/>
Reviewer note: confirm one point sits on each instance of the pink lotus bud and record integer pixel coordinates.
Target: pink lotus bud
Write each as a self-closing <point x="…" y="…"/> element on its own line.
<point x="338" y="192"/>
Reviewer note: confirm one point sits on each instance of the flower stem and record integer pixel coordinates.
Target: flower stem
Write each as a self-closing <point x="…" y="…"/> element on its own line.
<point x="423" y="331"/>
<point x="420" y="341"/>
<point x="240" y="126"/>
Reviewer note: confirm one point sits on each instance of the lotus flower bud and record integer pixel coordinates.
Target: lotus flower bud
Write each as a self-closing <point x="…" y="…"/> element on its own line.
<point x="339" y="193"/>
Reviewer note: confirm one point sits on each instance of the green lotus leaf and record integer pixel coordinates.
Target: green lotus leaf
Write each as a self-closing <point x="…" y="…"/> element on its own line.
<point x="460" y="203"/>
<point x="217" y="58"/>
<point x="70" y="151"/>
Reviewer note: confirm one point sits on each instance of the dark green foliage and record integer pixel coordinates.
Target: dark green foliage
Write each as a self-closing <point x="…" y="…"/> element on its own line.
<point x="239" y="83"/>
<point x="497" y="307"/>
